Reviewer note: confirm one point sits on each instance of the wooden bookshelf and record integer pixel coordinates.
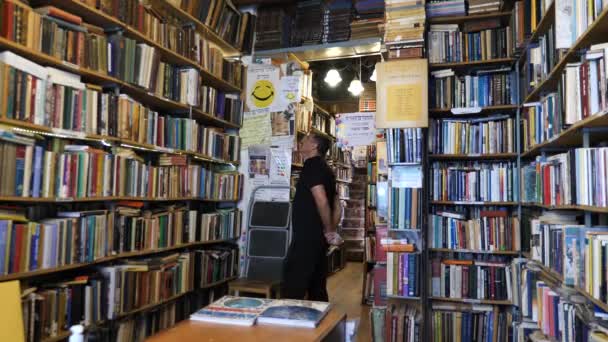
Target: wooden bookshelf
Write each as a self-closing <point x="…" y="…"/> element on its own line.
<point x="474" y="203"/>
<point x="587" y="208"/>
<point x="472" y="156"/>
<point x="90" y="76"/>
<point x="572" y="136"/>
<point x="595" y="33"/>
<point x="109" y="259"/>
<point x="470" y="64"/>
<point x="106" y="138"/>
<point x="108" y="199"/>
<point x="460" y="19"/>
<point x="320" y="132"/>
<point x="441" y="112"/>
<point x="228" y="49"/>
<point x="599" y="303"/>
<point x="99" y="18"/>
<point x="450" y="250"/>
<point x="472" y="301"/>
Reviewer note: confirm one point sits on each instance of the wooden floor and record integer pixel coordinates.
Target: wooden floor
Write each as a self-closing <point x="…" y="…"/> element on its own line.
<point x="344" y="289"/>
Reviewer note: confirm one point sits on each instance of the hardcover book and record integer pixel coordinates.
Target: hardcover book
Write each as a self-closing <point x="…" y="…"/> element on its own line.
<point x="232" y="310"/>
<point x="296" y="313"/>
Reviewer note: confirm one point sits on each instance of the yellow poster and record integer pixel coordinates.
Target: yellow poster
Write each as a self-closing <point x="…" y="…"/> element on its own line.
<point x="11" y="313"/>
<point x="402" y="93"/>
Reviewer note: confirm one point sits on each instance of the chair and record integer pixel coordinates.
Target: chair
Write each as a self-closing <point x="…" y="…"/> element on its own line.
<point x="268" y="238"/>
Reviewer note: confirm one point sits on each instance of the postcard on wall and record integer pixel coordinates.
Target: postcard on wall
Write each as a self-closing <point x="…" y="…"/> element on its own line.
<point x="402" y="93"/>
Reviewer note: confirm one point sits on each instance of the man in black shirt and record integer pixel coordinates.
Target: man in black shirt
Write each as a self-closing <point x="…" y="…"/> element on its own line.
<point x="313" y="224"/>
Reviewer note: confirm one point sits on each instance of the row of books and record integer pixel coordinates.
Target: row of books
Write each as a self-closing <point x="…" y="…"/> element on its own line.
<point x="473" y="279"/>
<point x="81" y="171"/>
<point x="323" y="123"/>
<point x="303" y="117"/>
<point x="485" y="88"/>
<point x="75" y="237"/>
<point x="491" y="231"/>
<point x="404" y="145"/>
<point x="223" y="18"/>
<point x="403" y="274"/>
<point x="494" y="134"/>
<point x="58" y="99"/>
<point x="576" y="177"/>
<point x="138" y="283"/>
<point x="542" y="120"/>
<point x="447" y="44"/>
<point x="372" y="171"/>
<point x="525" y="18"/>
<point x="541" y="57"/>
<point x="482" y="323"/>
<point x="547" y="313"/>
<point x="343" y="190"/>
<point x="344" y="173"/>
<point x="372" y="196"/>
<point x="472" y="182"/>
<point x="65" y="36"/>
<point x="406" y="208"/>
<point x="402" y="324"/>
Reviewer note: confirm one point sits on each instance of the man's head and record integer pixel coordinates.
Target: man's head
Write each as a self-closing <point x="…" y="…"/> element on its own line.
<point x="314" y="145"/>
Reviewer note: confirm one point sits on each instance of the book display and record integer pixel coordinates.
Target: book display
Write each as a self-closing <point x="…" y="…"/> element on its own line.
<point x="121" y="123"/>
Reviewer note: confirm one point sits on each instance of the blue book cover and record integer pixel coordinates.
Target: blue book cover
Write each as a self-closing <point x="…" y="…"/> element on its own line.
<point x="406" y="275"/>
<point x="4" y="227"/>
<point x="490" y="335"/>
<point x="12" y="250"/>
<point x="412" y="275"/>
<point x="20" y="166"/>
<point x="37" y="175"/>
<point x="35" y="245"/>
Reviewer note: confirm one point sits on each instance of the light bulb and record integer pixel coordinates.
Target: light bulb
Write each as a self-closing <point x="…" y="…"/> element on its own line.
<point x="333" y="78"/>
<point x="355" y="87"/>
<point x="373" y="76"/>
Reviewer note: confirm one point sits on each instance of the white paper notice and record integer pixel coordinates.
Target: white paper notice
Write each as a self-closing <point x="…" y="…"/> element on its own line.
<point x="256" y="129"/>
<point x="290" y="90"/>
<point x="407" y="176"/>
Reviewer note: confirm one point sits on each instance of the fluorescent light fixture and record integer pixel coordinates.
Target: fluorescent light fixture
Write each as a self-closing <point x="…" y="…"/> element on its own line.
<point x="333" y="78"/>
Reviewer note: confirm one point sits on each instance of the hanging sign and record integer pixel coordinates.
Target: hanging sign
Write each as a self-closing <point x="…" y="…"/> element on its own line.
<point x="355" y="129"/>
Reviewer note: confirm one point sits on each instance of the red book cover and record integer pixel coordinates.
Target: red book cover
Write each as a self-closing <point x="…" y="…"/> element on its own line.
<point x="492" y="283"/>
<point x="16" y="262"/>
<point x="381" y="233"/>
<point x="73" y="190"/>
<point x="93" y="172"/>
<point x="8" y="14"/>
<point x="546" y="185"/>
<point x="77" y="125"/>
<point x="465" y="282"/>
<point x="583" y="71"/>
<point x="32" y="112"/>
<point x="380" y="285"/>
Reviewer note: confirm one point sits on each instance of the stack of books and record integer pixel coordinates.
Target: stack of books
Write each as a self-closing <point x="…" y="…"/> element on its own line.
<point x="484" y="6"/>
<point x="404" y="28"/>
<point x="273" y="28"/>
<point x="336" y="21"/>
<point x="369" y="15"/>
<point x="214" y="265"/>
<point x="308" y="24"/>
<point x="403" y="274"/>
<point x="445" y="8"/>
<point x="480" y="323"/>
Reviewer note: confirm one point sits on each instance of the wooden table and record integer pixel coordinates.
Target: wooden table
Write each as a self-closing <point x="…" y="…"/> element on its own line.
<point x="331" y="329"/>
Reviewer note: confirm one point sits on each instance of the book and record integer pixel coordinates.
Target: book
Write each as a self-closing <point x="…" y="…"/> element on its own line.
<point x="296" y="313"/>
<point x="404" y="145"/>
<point x="232" y="310"/>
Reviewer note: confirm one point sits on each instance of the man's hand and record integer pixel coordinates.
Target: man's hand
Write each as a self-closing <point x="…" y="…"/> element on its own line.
<point x="334" y="239"/>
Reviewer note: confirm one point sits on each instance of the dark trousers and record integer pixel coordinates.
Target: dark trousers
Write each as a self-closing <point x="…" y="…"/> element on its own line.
<point x="306" y="271"/>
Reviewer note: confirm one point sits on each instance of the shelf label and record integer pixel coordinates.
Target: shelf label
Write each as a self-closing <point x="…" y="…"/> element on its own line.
<point x="466" y="110"/>
<point x="406" y="176"/>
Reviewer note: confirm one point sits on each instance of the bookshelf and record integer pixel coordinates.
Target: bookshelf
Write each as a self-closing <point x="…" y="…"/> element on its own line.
<point x="154" y="226"/>
<point x="456" y="209"/>
<point x="575" y="135"/>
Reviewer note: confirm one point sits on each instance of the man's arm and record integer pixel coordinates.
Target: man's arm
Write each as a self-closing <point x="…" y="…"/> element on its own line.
<point x="337" y="211"/>
<point x="320" y="196"/>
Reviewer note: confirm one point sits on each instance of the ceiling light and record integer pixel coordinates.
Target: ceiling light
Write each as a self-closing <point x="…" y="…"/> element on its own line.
<point x="333" y="78"/>
<point x="373" y="76"/>
<point x="355" y="87"/>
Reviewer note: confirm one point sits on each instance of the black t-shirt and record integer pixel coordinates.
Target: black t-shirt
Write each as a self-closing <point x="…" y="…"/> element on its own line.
<point x="307" y="222"/>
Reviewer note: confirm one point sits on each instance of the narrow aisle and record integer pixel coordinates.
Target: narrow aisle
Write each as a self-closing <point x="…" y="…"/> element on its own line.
<point x="344" y="290"/>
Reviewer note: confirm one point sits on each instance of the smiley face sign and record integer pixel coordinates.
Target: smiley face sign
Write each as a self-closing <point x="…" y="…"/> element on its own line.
<point x="263" y="93"/>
